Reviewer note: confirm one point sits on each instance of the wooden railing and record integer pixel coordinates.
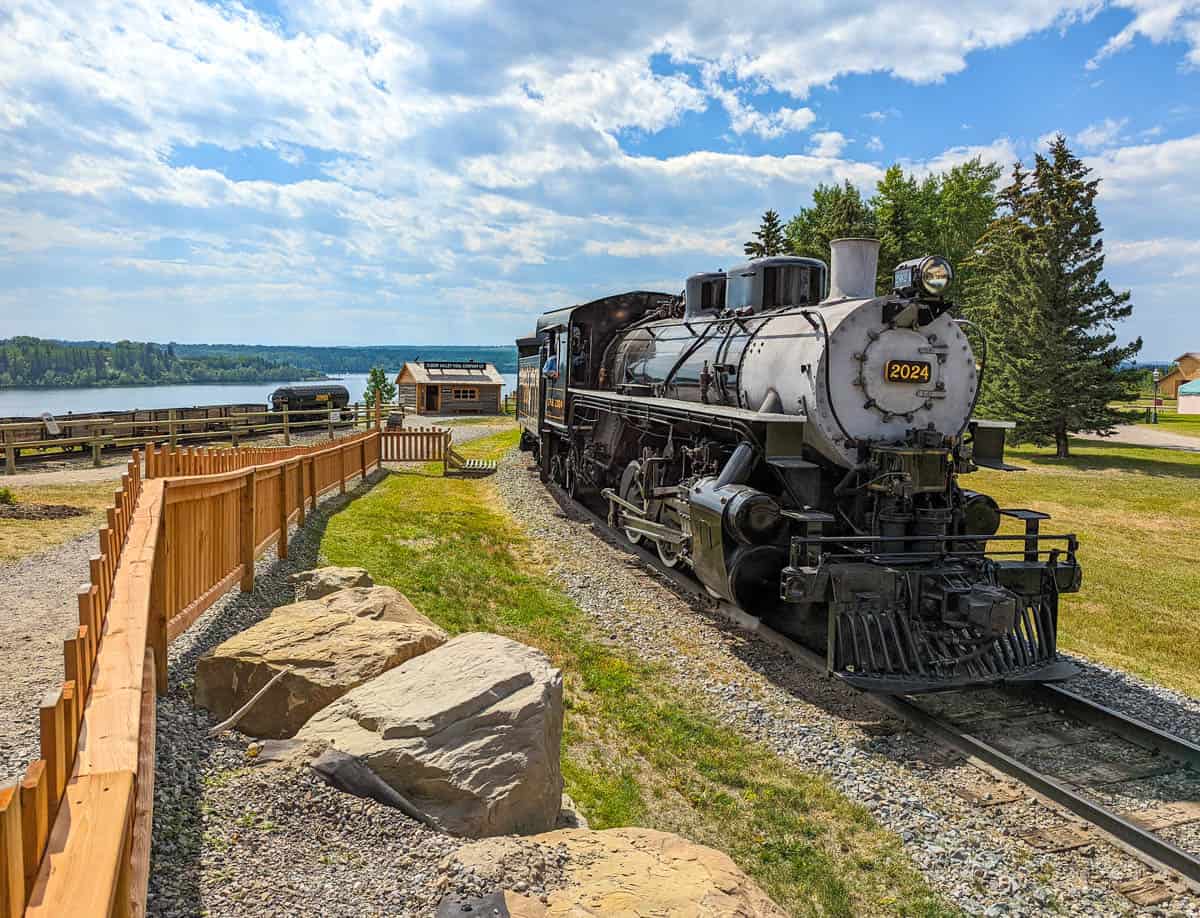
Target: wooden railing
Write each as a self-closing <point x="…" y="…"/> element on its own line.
<point x="99" y="433"/>
<point x="164" y="462"/>
<point x="75" y="833"/>
<point x="415" y="444"/>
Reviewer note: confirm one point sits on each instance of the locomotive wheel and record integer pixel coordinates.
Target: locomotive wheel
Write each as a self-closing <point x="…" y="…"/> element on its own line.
<point x="572" y="482"/>
<point x="633" y="491"/>
<point x="668" y="553"/>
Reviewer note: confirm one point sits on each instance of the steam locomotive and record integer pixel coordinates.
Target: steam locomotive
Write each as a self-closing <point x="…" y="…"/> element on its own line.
<point x="797" y="442"/>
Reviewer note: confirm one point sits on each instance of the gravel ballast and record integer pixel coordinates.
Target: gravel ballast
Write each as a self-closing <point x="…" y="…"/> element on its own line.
<point x="971" y="854"/>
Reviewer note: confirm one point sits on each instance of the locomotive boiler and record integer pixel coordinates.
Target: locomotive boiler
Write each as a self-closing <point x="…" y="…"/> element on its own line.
<point x="797" y="442"/>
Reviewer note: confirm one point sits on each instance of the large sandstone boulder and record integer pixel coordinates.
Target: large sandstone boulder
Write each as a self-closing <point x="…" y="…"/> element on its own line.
<point x="380" y="603"/>
<point x="325" y="580"/>
<point x="631" y="872"/>
<point x="330" y="652"/>
<point x="468" y="734"/>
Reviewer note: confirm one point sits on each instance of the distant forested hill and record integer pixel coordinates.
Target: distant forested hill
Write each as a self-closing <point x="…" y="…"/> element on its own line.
<point x="355" y="359"/>
<point x="34" y="362"/>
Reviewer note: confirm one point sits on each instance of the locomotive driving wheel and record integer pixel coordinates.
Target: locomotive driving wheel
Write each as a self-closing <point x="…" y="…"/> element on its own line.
<point x="571" y="482"/>
<point x="668" y="552"/>
<point x="633" y="490"/>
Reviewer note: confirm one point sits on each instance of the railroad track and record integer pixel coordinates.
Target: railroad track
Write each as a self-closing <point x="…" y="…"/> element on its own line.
<point x="1123" y="781"/>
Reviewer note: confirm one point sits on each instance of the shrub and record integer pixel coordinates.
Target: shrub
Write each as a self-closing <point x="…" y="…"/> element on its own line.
<point x="7" y="496"/>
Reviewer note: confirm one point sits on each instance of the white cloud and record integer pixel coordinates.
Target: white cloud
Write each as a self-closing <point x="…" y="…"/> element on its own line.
<point x="1158" y="21"/>
<point x="425" y="147"/>
<point x="828" y="143"/>
<point x="1102" y="134"/>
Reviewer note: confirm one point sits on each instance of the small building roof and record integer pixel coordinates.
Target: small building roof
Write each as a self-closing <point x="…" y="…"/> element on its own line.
<point x="1191" y="388"/>
<point x="1195" y="355"/>
<point x="451" y="372"/>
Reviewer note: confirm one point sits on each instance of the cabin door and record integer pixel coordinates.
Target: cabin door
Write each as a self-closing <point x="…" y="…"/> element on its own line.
<point x="432" y="401"/>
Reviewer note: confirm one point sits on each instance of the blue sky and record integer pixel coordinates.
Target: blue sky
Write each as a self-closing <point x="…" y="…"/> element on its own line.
<point x="440" y="171"/>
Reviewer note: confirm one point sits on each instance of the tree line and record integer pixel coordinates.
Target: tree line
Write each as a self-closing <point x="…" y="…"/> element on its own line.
<point x="36" y="362"/>
<point x="358" y="359"/>
<point x="1028" y="258"/>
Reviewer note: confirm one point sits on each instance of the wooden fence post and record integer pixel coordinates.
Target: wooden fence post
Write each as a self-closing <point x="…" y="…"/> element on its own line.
<point x="159" y="611"/>
<point x="171" y="427"/>
<point x="10" y="454"/>
<point x="330" y="424"/>
<point x="300" y="492"/>
<point x="378" y="414"/>
<point x="12" y="855"/>
<point x="247" y="531"/>
<point x="341" y="469"/>
<point x="35" y="819"/>
<point x="287" y="434"/>
<point x="96" y="452"/>
<point x="282" y="549"/>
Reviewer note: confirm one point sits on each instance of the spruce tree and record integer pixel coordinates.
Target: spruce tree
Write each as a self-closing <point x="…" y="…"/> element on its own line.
<point x="1054" y="364"/>
<point x="768" y="238"/>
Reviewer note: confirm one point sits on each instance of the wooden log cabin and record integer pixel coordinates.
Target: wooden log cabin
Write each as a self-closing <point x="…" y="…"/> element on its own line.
<point x="449" y="387"/>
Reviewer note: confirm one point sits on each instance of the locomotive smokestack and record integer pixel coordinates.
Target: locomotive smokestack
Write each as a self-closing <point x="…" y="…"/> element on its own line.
<point x="852" y="268"/>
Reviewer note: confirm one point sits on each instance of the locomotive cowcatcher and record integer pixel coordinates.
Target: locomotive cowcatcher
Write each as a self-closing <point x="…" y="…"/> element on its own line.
<point x="798" y="443"/>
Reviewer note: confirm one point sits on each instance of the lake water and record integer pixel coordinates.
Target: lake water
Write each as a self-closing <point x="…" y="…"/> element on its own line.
<point x="32" y="402"/>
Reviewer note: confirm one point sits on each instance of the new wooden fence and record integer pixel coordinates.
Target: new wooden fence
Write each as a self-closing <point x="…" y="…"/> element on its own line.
<point x="75" y="832"/>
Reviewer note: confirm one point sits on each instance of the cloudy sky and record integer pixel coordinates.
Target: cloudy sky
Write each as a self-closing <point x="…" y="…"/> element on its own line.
<point x="404" y="171"/>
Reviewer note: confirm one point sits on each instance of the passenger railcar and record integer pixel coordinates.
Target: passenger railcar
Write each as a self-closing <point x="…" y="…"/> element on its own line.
<point x="798" y="443"/>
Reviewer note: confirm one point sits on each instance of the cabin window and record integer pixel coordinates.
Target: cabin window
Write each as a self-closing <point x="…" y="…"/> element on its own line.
<point x="465" y="395"/>
<point x="712" y="294"/>
<point x="788" y="286"/>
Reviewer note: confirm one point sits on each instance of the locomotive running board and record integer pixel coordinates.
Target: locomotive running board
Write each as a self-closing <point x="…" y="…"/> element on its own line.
<point x="678" y="407"/>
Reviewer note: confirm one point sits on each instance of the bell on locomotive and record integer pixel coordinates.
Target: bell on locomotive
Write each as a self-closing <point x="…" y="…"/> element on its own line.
<point x="797" y="442"/>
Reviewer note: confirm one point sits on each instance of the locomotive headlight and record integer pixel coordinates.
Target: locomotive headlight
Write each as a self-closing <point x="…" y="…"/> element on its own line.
<point x="935" y="275"/>
<point x="929" y="276"/>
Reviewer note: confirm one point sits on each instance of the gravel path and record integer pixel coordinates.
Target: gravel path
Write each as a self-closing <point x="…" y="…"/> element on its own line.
<point x="972" y="855"/>
<point x="1148" y="435"/>
<point x="37" y="610"/>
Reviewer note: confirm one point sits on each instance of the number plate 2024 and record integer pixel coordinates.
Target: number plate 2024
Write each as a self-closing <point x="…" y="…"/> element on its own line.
<point x="907" y="371"/>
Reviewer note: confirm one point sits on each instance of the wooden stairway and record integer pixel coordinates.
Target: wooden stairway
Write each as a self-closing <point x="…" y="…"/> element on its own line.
<point x="456" y="463"/>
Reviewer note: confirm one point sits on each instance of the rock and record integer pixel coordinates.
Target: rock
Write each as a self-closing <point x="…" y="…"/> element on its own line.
<point x="629" y="872"/>
<point x="379" y="603"/>
<point x="324" y="580"/>
<point x="468" y="733"/>
<point x="331" y="652"/>
<point x="569" y="815"/>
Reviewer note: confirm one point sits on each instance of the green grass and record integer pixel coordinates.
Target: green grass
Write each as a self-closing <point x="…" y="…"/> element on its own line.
<point x="1186" y="424"/>
<point x="635" y="751"/>
<point x="1137" y="513"/>
<point x="26" y="537"/>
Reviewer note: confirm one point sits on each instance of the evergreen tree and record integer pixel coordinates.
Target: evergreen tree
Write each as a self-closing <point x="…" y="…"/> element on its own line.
<point x="901" y="222"/>
<point x="379" y="387"/>
<point x="768" y="238"/>
<point x="837" y="211"/>
<point x="1054" y="366"/>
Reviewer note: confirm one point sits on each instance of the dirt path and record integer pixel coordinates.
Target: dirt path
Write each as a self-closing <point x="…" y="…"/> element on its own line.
<point x="1148" y="435"/>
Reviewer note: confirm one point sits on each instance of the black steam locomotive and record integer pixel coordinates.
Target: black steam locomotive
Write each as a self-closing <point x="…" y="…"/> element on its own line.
<point x="797" y="442"/>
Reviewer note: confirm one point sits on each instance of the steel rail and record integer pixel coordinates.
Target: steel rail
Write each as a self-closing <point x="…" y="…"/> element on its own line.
<point x="1125" y="835"/>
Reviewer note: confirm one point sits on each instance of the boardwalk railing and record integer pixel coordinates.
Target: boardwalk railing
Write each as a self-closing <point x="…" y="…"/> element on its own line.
<point x="75" y="832"/>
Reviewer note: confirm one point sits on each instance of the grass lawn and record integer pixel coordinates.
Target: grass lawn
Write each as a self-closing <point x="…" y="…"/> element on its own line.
<point x="1137" y="513"/>
<point x="26" y="537"/>
<point x="636" y="752"/>
<point x="1186" y="424"/>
